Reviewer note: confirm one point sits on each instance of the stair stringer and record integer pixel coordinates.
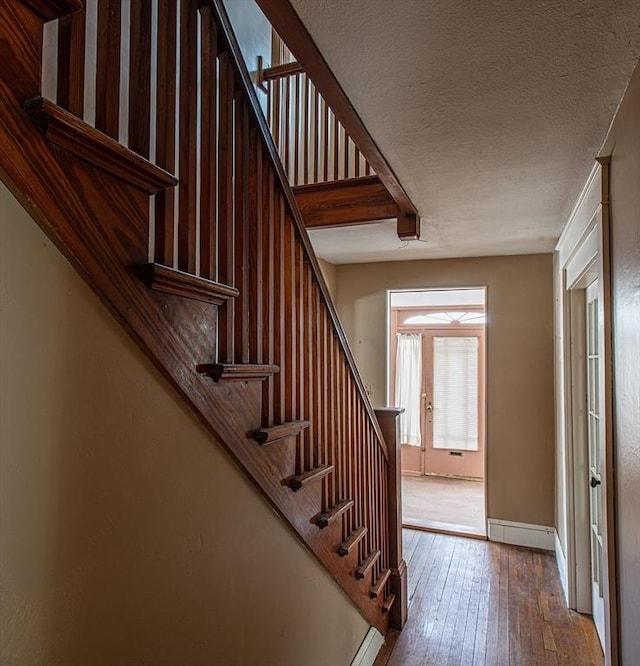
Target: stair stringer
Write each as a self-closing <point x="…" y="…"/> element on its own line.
<point x="100" y="224"/>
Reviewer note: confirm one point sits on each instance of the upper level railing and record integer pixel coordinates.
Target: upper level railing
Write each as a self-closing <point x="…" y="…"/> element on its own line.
<point x="312" y="143"/>
<point x="162" y="78"/>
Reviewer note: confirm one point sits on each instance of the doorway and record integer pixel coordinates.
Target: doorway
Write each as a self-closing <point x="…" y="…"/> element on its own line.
<point x="587" y="499"/>
<point x="437" y="374"/>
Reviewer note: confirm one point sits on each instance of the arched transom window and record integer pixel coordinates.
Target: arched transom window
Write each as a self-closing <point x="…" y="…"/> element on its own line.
<point x="447" y="317"/>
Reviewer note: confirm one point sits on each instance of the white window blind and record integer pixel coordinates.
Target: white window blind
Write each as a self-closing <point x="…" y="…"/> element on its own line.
<point x="455" y="393"/>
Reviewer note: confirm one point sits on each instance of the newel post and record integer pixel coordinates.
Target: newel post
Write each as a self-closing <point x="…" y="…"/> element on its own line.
<point x="389" y="424"/>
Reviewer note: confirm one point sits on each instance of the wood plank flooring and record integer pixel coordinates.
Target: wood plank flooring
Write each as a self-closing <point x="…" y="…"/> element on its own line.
<point x="475" y="602"/>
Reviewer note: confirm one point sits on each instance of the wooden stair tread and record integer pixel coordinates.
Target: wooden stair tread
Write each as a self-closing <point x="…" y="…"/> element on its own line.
<point x="53" y="9"/>
<point x="378" y="586"/>
<point x="310" y="476"/>
<point x="388" y="602"/>
<point x="228" y="372"/>
<point x="69" y="132"/>
<point x="334" y="512"/>
<point x="351" y="541"/>
<point x="279" y="432"/>
<point x="366" y="566"/>
<point x="172" y="281"/>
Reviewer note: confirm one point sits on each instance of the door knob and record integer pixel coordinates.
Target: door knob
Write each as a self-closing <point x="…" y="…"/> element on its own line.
<point x="594" y="482"/>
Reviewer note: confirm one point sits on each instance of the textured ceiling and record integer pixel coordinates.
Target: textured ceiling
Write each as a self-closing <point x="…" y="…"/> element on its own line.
<point x="490" y="112"/>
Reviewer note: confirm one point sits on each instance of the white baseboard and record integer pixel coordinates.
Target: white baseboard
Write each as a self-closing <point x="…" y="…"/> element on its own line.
<point x="521" y="534"/>
<point x="562" y="567"/>
<point x="368" y="651"/>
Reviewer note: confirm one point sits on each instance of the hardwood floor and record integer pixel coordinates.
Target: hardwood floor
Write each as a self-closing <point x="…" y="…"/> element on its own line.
<point x="477" y="602"/>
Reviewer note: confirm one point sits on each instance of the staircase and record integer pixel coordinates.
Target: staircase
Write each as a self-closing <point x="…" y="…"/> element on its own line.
<point x="157" y="177"/>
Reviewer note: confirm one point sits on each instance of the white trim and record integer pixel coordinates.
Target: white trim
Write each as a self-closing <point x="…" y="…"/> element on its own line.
<point x="368" y="650"/>
<point x="563" y="572"/>
<point x="580" y="218"/>
<point x="582" y="268"/>
<point x="521" y="534"/>
<point x="577" y="471"/>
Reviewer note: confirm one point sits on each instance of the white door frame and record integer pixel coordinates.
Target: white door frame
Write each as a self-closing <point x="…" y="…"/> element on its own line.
<point x="583" y="255"/>
<point x="390" y="363"/>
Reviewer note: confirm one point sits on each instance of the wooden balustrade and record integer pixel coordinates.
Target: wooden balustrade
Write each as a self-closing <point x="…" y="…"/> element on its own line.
<point x="163" y="78"/>
<point x="312" y="142"/>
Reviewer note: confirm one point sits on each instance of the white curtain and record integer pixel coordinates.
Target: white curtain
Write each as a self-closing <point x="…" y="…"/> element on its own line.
<point x="408" y="386"/>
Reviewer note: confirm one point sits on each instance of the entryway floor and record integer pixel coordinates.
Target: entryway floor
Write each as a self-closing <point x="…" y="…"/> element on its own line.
<point x="480" y="603"/>
<point x="443" y="504"/>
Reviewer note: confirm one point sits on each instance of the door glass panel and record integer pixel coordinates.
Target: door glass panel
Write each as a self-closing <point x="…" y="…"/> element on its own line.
<point x="594" y="434"/>
<point x="455" y="393"/>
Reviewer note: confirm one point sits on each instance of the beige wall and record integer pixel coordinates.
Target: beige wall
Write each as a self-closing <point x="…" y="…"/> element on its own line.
<point x="128" y="536"/>
<point x="520" y="461"/>
<point x="330" y="276"/>
<point x="623" y="145"/>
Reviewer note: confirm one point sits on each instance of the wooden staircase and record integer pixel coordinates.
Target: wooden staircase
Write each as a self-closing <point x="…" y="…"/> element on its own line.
<point x="159" y="181"/>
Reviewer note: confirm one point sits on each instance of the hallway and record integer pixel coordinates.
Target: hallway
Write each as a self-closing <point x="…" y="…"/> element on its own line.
<point x="478" y="602"/>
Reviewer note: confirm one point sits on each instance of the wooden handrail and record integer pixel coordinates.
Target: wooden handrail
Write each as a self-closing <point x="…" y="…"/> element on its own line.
<point x="282" y="71"/>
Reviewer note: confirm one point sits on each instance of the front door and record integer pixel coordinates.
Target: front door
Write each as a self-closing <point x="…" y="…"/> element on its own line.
<point x="451" y="408"/>
<point x="596" y="457"/>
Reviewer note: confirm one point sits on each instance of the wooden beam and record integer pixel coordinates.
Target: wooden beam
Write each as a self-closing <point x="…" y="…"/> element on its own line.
<point x="288" y="25"/>
<point x="343" y="203"/>
<point x="408" y="226"/>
